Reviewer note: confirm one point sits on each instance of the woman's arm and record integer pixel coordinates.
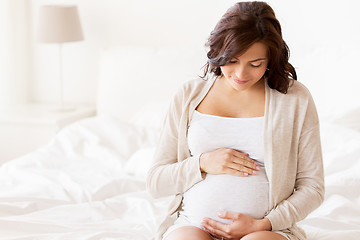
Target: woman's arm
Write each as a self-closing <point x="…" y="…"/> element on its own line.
<point x="309" y="188"/>
<point x="309" y="185"/>
<point x="165" y="179"/>
<point x="168" y="176"/>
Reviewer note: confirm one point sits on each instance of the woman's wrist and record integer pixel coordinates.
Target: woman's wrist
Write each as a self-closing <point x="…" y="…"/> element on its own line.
<point x="263" y="225"/>
<point x="201" y="162"/>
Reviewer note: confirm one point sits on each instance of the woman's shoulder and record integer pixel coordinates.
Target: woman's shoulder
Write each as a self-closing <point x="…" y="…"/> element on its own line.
<point x="188" y="91"/>
<point x="191" y="87"/>
<point x="194" y="84"/>
<point x="296" y="90"/>
<point x="298" y="97"/>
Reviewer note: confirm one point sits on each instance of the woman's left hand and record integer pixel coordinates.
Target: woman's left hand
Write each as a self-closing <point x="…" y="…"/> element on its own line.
<point x="242" y="225"/>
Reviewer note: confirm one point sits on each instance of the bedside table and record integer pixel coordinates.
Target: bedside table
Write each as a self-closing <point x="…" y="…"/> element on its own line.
<point x="24" y="128"/>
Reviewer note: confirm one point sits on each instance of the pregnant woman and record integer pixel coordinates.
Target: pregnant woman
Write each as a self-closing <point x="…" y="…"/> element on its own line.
<point x="240" y="148"/>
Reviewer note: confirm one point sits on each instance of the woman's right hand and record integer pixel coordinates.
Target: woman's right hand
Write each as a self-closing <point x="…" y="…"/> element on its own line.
<point x="228" y="161"/>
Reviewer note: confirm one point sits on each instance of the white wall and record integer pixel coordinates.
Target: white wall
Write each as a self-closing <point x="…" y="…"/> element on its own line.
<point x="323" y="37"/>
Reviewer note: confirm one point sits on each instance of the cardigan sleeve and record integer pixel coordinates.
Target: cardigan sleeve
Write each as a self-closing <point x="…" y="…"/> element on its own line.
<point x="309" y="184"/>
<point x="170" y="175"/>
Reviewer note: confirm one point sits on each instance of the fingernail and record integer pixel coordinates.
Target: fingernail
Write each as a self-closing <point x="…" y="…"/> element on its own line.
<point x="246" y="174"/>
<point x="254" y="172"/>
<point x="257" y="167"/>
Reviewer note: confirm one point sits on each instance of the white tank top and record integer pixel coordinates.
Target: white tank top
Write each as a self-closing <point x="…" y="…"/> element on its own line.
<point x="216" y="193"/>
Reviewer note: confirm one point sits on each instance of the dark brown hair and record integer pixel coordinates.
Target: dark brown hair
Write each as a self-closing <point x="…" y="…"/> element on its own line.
<point x="242" y="25"/>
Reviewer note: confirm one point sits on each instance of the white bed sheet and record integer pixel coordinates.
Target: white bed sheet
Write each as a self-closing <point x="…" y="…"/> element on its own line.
<point x="82" y="186"/>
<point x="89" y="183"/>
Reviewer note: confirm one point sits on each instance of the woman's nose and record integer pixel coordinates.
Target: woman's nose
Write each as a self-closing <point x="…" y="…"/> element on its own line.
<point x="241" y="72"/>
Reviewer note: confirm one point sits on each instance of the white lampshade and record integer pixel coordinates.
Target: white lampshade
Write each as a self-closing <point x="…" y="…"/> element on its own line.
<point x="59" y="24"/>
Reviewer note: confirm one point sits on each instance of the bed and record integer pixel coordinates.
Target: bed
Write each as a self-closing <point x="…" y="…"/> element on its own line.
<point x="88" y="183"/>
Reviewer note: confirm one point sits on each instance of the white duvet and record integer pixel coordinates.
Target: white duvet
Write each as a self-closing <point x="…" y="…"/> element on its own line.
<point x="88" y="183"/>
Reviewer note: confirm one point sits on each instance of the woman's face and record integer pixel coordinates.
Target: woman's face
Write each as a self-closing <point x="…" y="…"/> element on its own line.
<point x="244" y="71"/>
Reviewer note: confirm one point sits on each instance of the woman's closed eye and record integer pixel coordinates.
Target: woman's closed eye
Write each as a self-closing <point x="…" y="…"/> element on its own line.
<point x="251" y="63"/>
<point x="255" y="65"/>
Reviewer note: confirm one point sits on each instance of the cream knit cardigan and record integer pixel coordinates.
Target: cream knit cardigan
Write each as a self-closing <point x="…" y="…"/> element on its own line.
<point x="292" y="155"/>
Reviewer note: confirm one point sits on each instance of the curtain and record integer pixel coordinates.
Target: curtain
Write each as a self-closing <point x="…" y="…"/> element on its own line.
<point x="14" y="51"/>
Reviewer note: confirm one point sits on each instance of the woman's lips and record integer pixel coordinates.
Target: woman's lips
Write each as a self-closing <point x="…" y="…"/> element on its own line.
<point x="240" y="82"/>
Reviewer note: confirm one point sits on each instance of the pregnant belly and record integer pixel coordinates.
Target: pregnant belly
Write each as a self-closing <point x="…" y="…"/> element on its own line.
<point x="216" y="193"/>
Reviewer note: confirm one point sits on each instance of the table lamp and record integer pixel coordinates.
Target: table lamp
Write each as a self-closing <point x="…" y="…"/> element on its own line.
<point x="59" y="24"/>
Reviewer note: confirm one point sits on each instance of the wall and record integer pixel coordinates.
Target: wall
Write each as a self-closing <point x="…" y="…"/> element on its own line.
<point x="321" y="35"/>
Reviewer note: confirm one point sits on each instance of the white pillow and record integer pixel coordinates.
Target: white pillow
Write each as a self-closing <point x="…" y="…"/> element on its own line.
<point x="341" y="152"/>
<point x="152" y="115"/>
<point x="326" y="69"/>
<point x="132" y="76"/>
